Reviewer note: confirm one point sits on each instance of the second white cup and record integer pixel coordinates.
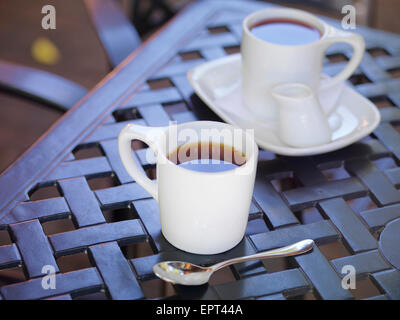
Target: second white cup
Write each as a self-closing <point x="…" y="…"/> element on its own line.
<point x="265" y="63"/>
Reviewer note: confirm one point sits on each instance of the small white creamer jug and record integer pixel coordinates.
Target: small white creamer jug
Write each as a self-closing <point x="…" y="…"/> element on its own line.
<point x="302" y="121"/>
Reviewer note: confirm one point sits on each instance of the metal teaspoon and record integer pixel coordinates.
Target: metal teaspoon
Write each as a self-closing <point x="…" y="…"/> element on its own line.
<point x="185" y="273"/>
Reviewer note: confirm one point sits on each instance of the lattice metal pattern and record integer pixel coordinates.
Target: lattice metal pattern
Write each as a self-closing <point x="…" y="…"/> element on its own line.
<point x="97" y="215"/>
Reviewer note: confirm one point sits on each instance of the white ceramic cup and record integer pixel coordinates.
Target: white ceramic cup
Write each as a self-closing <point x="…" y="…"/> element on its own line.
<point x="265" y="64"/>
<point x="200" y="212"/>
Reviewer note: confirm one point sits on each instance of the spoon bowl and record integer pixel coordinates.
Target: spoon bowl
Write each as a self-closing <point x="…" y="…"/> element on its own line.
<point x="182" y="272"/>
<point x="185" y="273"/>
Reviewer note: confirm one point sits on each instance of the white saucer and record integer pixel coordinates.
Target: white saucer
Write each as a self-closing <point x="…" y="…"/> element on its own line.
<point x="218" y="84"/>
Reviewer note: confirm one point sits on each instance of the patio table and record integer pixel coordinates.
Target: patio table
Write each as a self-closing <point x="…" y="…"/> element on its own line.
<point x="347" y="200"/>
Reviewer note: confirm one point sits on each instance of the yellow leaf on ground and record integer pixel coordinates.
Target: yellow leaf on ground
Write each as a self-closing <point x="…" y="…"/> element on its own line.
<point x="44" y="51"/>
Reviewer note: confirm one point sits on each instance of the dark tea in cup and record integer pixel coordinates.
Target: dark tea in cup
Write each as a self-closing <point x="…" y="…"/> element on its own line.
<point x="285" y="32"/>
<point x="207" y="157"/>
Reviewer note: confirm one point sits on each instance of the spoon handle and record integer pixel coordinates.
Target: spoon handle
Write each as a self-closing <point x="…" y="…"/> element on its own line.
<point x="290" y="250"/>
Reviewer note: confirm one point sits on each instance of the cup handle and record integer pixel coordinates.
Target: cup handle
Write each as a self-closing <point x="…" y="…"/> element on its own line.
<point x="150" y="136"/>
<point x="356" y="41"/>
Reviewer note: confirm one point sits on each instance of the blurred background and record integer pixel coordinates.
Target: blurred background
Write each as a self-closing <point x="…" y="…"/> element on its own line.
<point x="75" y="52"/>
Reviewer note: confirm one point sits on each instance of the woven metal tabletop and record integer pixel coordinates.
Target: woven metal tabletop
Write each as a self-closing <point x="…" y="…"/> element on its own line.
<point x="69" y="199"/>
